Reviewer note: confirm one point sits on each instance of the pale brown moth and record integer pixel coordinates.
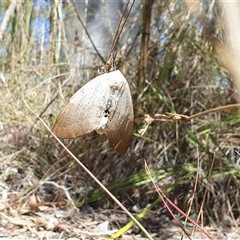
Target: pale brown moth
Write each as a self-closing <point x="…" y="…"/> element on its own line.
<point x="103" y="105"/>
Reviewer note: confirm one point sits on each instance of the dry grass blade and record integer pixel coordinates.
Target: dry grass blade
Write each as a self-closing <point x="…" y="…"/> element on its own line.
<point x="109" y="66"/>
<point x="175" y="117"/>
<point x="168" y="202"/>
<point x="92" y="176"/>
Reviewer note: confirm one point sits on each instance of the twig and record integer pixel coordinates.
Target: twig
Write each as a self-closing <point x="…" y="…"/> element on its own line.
<point x="120" y="27"/>
<point x="175" y="117"/>
<point x="91" y="175"/>
<point x="64" y="190"/>
<point x="110" y="62"/>
<point x="145" y="41"/>
<point x="168" y="202"/>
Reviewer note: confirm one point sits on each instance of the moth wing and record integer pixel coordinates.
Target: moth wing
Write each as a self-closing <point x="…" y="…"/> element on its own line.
<point x="82" y="114"/>
<point x="120" y="124"/>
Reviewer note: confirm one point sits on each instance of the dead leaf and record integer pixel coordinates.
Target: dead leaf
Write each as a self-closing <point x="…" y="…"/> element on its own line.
<point x="33" y="204"/>
<point x="20" y="221"/>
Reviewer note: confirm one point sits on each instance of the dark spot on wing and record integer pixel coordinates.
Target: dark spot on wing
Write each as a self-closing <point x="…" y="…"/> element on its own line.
<point x="108" y="106"/>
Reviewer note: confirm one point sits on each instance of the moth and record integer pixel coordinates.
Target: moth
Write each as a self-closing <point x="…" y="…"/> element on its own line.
<point x="104" y="105"/>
